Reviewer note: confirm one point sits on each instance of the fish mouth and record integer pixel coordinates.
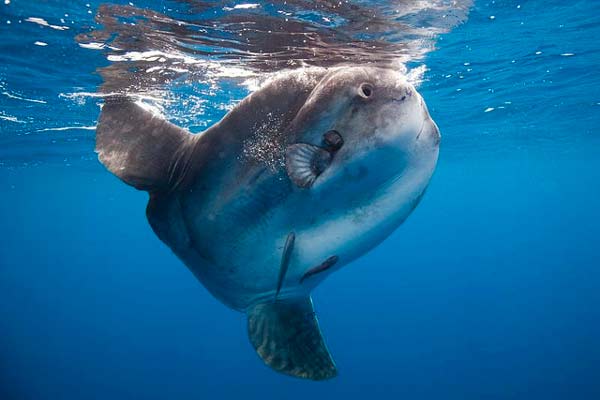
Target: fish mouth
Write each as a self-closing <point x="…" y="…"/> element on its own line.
<point x="421" y="130"/>
<point x="434" y="132"/>
<point x="400" y="99"/>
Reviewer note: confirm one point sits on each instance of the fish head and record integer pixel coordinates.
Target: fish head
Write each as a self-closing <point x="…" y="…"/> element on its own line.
<point x="361" y="130"/>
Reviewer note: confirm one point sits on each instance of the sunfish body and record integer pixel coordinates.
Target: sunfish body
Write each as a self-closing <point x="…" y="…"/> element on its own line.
<point x="300" y="178"/>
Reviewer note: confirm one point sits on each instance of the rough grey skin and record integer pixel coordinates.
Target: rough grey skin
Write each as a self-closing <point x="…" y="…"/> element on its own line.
<point x="303" y="176"/>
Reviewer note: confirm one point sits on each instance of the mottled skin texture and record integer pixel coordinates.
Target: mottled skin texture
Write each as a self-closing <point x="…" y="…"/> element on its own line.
<point x="230" y="218"/>
<point x="224" y="202"/>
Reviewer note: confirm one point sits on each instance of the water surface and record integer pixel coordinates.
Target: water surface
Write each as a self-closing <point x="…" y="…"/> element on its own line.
<point x="489" y="290"/>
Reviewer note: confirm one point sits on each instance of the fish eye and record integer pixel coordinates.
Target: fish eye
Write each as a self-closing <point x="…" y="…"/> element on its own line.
<point x="366" y="90"/>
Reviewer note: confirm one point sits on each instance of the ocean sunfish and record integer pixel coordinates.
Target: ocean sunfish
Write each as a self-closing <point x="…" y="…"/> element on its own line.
<point x="300" y="178"/>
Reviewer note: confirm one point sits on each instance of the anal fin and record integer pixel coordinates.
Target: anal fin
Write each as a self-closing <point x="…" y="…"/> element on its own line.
<point x="286" y="335"/>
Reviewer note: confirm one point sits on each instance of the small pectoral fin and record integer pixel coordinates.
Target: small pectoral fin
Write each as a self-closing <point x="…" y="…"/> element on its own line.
<point x="286" y="335"/>
<point x="305" y="162"/>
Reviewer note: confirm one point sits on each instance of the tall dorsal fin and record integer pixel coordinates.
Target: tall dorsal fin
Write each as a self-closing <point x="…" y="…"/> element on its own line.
<point x="142" y="149"/>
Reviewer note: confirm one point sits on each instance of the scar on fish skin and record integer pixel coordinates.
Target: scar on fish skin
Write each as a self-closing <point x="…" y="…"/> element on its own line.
<point x="285" y="260"/>
<point x="324" y="266"/>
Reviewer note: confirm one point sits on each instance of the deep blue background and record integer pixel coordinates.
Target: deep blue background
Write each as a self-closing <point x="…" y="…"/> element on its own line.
<point x="491" y="289"/>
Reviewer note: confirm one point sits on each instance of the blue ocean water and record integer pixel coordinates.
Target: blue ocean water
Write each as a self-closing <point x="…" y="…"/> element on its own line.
<point x="489" y="290"/>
